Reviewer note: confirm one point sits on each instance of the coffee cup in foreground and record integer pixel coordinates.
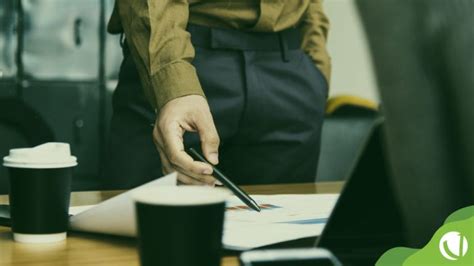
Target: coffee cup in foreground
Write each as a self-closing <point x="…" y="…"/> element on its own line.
<point x="180" y="226"/>
<point x="40" y="184"/>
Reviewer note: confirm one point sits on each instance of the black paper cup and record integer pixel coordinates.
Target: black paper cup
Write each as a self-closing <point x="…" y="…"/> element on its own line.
<point x="40" y="184"/>
<point x="180" y="226"/>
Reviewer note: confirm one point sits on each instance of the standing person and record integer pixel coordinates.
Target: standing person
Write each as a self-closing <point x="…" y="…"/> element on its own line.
<point x="249" y="78"/>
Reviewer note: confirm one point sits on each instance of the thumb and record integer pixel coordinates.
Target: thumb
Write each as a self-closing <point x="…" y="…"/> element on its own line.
<point x="209" y="138"/>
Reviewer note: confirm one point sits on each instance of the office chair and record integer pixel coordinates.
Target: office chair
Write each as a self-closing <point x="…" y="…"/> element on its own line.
<point x="424" y="61"/>
<point x="346" y="131"/>
<point x="20" y="126"/>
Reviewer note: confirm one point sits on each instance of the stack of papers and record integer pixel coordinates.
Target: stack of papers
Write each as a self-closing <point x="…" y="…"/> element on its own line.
<point x="283" y="217"/>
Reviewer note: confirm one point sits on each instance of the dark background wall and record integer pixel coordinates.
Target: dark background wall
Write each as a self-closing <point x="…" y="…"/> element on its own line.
<point x="57" y="59"/>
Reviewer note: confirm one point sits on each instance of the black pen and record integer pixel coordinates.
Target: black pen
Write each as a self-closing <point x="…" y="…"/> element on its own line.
<point x="226" y="182"/>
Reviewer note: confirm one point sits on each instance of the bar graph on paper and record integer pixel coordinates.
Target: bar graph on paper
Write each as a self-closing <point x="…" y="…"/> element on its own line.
<point x="294" y="209"/>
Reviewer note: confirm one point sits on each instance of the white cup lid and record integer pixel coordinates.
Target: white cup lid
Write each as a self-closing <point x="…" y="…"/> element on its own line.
<point x="48" y="155"/>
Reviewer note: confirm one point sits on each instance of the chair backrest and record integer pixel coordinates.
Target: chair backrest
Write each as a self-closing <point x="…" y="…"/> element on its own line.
<point x="343" y="139"/>
<point x="424" y="63"/>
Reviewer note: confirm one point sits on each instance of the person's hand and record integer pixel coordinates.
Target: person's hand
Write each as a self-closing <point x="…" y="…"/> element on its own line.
<point x="188" y="113"/>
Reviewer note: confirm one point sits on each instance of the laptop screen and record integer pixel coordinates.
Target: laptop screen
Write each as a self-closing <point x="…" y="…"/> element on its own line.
<point x="366" y="220"/>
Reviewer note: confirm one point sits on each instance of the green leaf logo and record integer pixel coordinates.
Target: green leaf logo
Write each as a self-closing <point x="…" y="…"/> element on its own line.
<point x="448" y="246"/>
<point x="453" y="245"/>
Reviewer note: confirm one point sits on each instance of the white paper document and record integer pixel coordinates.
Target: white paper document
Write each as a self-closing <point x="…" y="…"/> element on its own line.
<point x="115" y="216"/>
<point x="283" y="217"/>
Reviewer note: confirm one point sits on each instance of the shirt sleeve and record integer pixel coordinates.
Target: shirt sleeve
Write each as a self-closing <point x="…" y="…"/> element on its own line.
<point x="315" y="27"/>
<point x="161" y="47"/>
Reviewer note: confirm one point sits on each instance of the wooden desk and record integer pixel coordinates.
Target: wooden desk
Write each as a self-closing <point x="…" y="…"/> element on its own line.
<point x="88" y="249"/>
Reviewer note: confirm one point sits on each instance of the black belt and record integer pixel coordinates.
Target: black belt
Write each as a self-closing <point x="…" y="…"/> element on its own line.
<point x="243" y="40"/>
<point x="214" y="38"/>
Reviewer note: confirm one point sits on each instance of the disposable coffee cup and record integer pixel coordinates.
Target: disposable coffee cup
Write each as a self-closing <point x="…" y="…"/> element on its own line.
<point x="180" y="226"/>
<point x="40" y="186"/>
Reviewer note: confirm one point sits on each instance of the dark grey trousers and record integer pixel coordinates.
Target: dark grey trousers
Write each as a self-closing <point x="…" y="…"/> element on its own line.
<point x="267" y="99"/>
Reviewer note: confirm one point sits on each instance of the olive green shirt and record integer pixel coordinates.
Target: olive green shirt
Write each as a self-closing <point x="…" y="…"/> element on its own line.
<point x="161" y="46"/>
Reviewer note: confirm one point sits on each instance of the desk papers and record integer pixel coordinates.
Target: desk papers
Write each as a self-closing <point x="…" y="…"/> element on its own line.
<point x="115" y="216"/>
<point x="283" y="217"/>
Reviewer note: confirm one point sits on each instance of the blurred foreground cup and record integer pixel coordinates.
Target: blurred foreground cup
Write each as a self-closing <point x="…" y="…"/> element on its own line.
<point x="180" y="226"/>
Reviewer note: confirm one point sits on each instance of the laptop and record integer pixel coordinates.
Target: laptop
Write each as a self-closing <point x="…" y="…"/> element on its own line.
<point x="366" y="220"/>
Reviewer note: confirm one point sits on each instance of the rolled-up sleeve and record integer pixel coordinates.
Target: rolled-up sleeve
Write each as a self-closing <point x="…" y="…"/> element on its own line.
<point x="315" y="28"/>
<point x="161" y="47"/>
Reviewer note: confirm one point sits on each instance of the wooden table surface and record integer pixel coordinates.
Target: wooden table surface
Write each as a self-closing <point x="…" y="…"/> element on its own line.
<point x="90" y="249"/>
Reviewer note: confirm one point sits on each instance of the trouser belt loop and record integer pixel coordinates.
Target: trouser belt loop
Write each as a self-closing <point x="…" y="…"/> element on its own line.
<point x="283" y="47"/>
